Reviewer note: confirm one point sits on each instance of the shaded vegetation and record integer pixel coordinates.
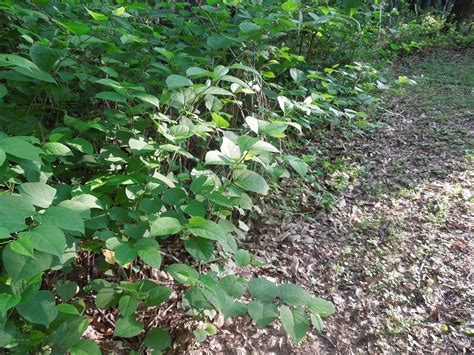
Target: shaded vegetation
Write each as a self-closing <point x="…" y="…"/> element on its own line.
<point x="138" y="139"/>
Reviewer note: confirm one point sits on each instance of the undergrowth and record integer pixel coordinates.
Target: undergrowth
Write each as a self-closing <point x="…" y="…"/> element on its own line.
<point x="136" y="139"/>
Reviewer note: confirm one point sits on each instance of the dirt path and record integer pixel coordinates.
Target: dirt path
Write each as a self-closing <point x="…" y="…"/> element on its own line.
<point x="396" y="254"/>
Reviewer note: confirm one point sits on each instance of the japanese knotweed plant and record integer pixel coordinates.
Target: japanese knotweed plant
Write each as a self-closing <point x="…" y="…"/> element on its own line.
<point x="135" y="140"/>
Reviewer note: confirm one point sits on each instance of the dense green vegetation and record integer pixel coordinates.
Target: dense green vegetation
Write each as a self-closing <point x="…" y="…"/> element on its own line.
<point x="136" y="138"/>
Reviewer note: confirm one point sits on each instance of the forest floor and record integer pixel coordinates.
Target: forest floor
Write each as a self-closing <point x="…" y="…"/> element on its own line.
<point x="395" y="254"/>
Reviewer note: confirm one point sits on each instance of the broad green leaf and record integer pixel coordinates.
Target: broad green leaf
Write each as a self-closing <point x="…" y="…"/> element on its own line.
<point x="81" y="145"/>
<point x="22" y="246"/>
<point x="38" y="193"/>
<point x="127" y="305"/>
<point x="44" y="57"/>
<point x="213" y="104"/>
<point x="157" y="295"/>
<point x="242" y="257"/>
<point x="85" y="347"/>
<point x="230" y="149"/>
<point x="234" y="80"/>
<point x="322" y="307"/>
<point x="295" y="323"/>
<point x="219" y="121"/>
<point x="216" y="157"/>
<point x="203" y="228"/>
<point x="183" y="273"/>
<point x="196" y="71"/>
<point x="200" y="248"/>
<point x="293" y="294"/>
<point x="106" y="297"/>
<point x="150" y="206"/>
<point x="262" y="289"/>
<point x="245" y="67"/>
<point x="220" y="71"/>
<point x="217" y="41"/>
<point x="25" y="67"/>
<point x="233" y="285"/>
<point x="262" y="313"/>
<point x="174" y="196"/>
<point x="290" y="6"/>
<point x="66" y="289"/>
<point x="164" y="226"/>
<point x="125" y="254"/>
<point x="262" y="147"/>
<point x="130" y="38"/>
<point x="41" y="309"/>
<point x="111" y="96"/>
<point x="21" y="267"/>
<point x="8" y="333"/>
<point x="69" y="332"/>
<point x="20" y="148"/>
<point x="208" y="280"/>
<point x="13" y="211"/>
<point x="197" y="298"/>
<point x="110" y="83"/>
<point x="63" y="218"/>
<point x="251" y="181"/>
<point x="274" y="129"/>
<point x="68" y="309"/>
<point x="12" y="220"/>
<point x="157" y="339"/>
<point x="127" y="327"/>
<point x="11" y="60"/>
<point x="8" y="301"/>
<point x="195" y="208"/>
<point x="234" y="309"/>
<point x="76" y="27"/>
<point x="149" y="251"/>
<point x="249" y="27"/>
<point x="202" y="185"/>
<point x="49" y="239"/>
<point x="297" y="75"/>
<point x="246" y="142"/>
<point x="4" y="233"/>
<point x="120" y="11"/>
<point x="183" y="98"/>
<point x="27" y="288"/>
<point x="36" y="74"/>
<point x="151" y="99"/>
<point x="318" y="323"/>
<point x="3" y="92"/>
<point x="227" y="305"/>
<point x="252" y="122"/>
<point x="97" y="16"/>
<point x="216" y="91"/>
<point x="298" y="164"/>
<point x="57" y="149"/>
<point x="88" y="201"/>
<point x="177" y="81"/>
<point x="222" y="200"/>
<point x="17" y="203"/>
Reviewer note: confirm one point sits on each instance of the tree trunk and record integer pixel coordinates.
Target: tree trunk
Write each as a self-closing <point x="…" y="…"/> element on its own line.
<point x="463" y="10"/>
<point x="447" y="6"/>
<point x="437" y="5"/>
<point x="425" y="4"/>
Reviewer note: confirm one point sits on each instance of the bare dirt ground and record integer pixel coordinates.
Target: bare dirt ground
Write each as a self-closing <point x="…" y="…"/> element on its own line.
<point x="395" y="255"/>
